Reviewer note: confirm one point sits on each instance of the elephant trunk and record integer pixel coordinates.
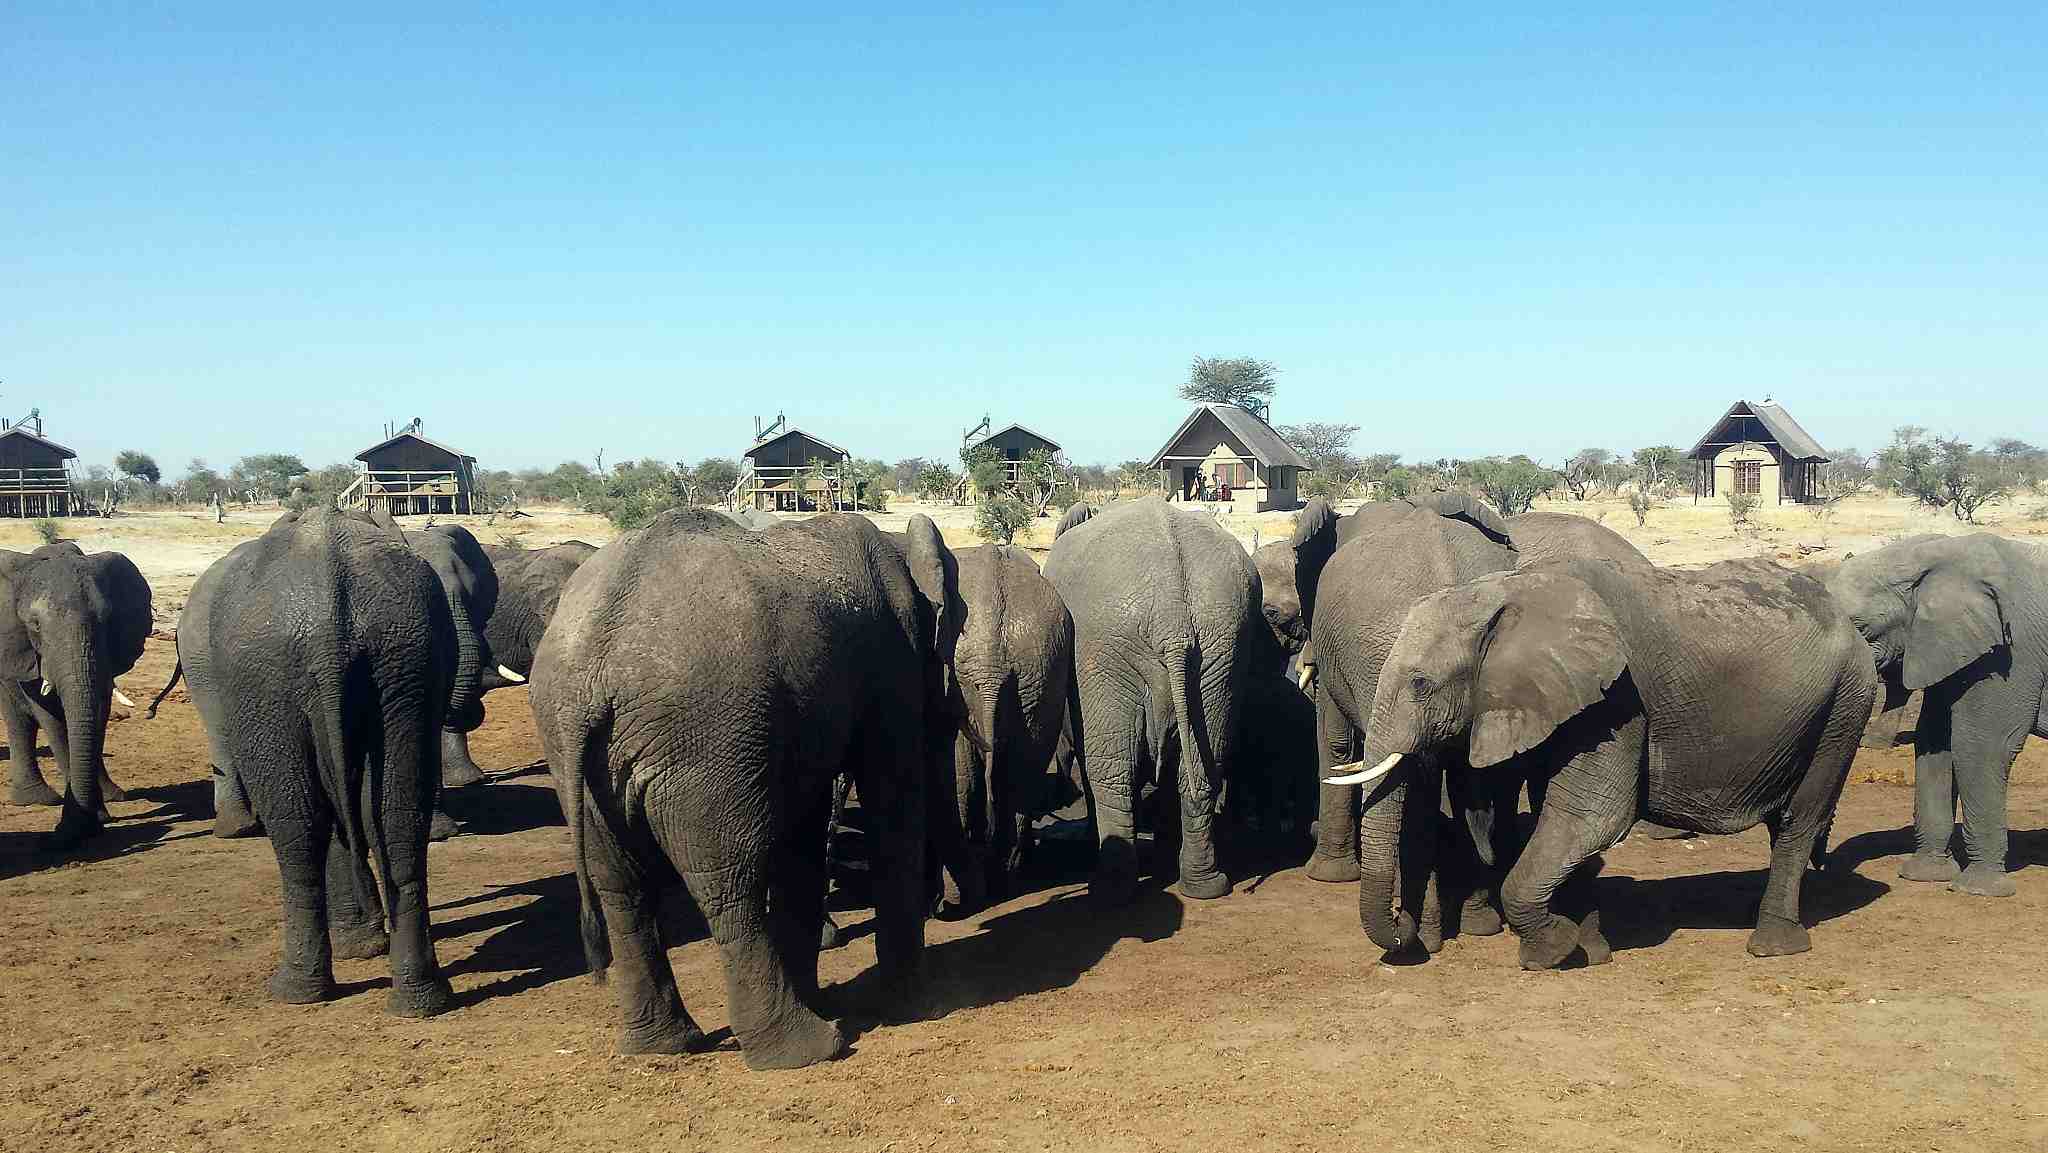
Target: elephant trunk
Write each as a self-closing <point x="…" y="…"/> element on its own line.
<point x="85" y="694"/>
<point x="1381" y="821"/>
<point x="465" y="711"/>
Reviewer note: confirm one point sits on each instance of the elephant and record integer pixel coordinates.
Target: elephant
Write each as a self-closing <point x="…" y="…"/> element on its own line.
<point x="1166" y="639"/>
<point x="69" y="624"/>
<point x="470" y="585"/>
<point x="1363" y="593"/>
<point x="697" y="736"/>
<point x="324" y="661"/>
<point x="530" y="582"/>
<point x="751" y="519"/>
<point x="1964" y="622"/>
<point x="1706" y="700"/>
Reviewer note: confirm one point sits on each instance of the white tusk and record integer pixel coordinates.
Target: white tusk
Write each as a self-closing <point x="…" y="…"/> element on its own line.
<point x="1361" y="777"/>
<point x="47" y="690"/>
<point x="1307" y="677"/>
<point x="123" y="699"/>
<point x="509" y="675"/>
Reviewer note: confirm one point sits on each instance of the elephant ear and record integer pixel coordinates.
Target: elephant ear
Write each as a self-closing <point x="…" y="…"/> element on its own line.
<point x="128" y="593"/>
<point x="1470" y="509"/>
<point x="932" y="568"/>
<point x="1315" y="535"/>
<point x="18" y="661"/>
<point x="1956" y="619"/>
<point x="1550" y="652"/>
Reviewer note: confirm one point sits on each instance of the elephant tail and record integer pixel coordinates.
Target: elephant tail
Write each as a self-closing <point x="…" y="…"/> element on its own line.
<point x="177" y="670"/>
<point x="351" y="790"/>
<point x="1183" y="667"/>
<point x="575" y="786"/>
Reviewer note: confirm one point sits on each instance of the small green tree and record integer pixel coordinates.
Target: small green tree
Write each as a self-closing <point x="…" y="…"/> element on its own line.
<point x="1511" y="484"/>
<point x="1907" y="466"/>
<point x="1969" y="479"/>
<point x="138" y="465"/>
<point x="49" y="530"/>
<point x="937" y="481"/>
<point x="1239" y="380"/>
<point x="1740" y="507"/>
<point x="1000" y="516"/>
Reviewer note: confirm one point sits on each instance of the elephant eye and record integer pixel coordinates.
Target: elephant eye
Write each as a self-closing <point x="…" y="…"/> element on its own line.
<point x="1419" y="687"/>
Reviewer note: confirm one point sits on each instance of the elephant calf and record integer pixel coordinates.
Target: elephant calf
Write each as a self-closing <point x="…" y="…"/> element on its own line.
<point x="696" y="693"/>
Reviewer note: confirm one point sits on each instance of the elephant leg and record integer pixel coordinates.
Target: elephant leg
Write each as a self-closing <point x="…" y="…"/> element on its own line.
<point x="1478" y="807"/>
<point x="355" y="914"/>
<point x="796" y="903"/>
<point x="775" y="1028"/>
<point x="1798" y="829"/>
<point x="305" y="974"/>
<point x="1112" y="776"/>
<point x="27" y="786"/>
<point x="232" y="816"/>
<point x="1578" y="899"/>
<point x="458" y="771"/>
<point x="1335" y="857"/>
<point x="892" y="770"/>
<point x="83" y="815"/>
<point x="1934" y="794"/>
<point x="1983" y="767"/>
<point x="652" y="1018"/>
<point x="1588" y="806"/>
<point x="407" y="761"/>
<point x="1200" y="878"/>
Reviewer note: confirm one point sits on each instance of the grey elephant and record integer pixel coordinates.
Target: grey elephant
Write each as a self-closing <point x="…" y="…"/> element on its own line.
<point x="1708" y="700"/>
<point x="469" y="584"/>
<point x="697" y="737"/>
<point x="1166" y="639"/>
<point x="1963" y="621"/>
<point x="530" y="583"/>
<point x="323" y="664"/>
<point x="69" y="624"/>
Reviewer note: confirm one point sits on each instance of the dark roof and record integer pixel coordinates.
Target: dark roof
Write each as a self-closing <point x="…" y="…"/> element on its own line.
<point x="1776" y="421"/>
<point x="1026" y="431"/>
<point x="1258" y="436"/>
<point x="17" y="430"/>
<point x="759" y="445"/>
<point x="365" y="454"/>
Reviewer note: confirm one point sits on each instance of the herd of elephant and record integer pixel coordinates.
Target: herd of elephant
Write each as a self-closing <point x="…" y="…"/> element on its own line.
<point x="706" y="688"/>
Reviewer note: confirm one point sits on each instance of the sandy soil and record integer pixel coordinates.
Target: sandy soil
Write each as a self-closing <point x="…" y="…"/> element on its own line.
<point x="132" y="991"/>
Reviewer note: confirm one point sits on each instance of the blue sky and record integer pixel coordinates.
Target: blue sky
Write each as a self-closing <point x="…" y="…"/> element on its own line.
<point x="1512" y="229"/>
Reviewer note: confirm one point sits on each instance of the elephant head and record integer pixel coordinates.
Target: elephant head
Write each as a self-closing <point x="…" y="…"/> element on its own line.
<point x="1481" y="672"/>
<point x="69" y="624"/>
<point x="471" y="586"/>
<point x="1930" y="607"/>
<point x="1289" y="570"/>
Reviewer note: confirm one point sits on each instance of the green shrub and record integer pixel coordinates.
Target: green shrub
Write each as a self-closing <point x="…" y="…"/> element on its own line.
<point x="1000" y="517"/>
<point x="49" y="530"/>
<point x="1740" y="506"/>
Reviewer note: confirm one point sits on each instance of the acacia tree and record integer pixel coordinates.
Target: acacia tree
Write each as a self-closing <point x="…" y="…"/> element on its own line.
<point x="1327" y="449"/>
<point x="1239" y="380"/>
<point x="1907" y="466"/>
<point x="138" y="465"/>
<point x="1969" y="479"/>
<point x="1584" y="469"/>
<point x="1511" y="483"/>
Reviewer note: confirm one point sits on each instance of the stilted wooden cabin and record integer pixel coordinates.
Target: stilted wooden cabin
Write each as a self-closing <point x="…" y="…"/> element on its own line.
<point x="1013" y="446"/>
<point x="1224" y="453"/>
<point x="1758" y="449"/>
<point x="781" y="472"/>
<point x="35" y="478"/>
<point x="408" y="475"/>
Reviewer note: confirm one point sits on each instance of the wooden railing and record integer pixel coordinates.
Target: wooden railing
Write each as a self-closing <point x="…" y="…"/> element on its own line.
<point x="788" y="478"/>
<point x="381" y="484"/>
<point x="42" y="481"/>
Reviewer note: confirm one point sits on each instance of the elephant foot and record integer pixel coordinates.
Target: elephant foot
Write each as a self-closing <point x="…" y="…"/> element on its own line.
<point x="1548" y="946"/>
<point x="427" y="998"/>
<point x="1479" y="919"/>
<point x="75" y="826"/>
<point x="804" y="1039"/>
<point x="293" y="988"/>
<point x="1333" y="870"/>
<point x="672" y="1037"/>
<point x="829" y="936"/>
<point x="1430" y="933"/>
<point x="1206" y="886"/>
<point x="1592" y="942"/>
<point x="442" y="827"/>
<point x="358" y="941"/>
<point x="458" y="770"/>
<point x="34" y="792"/>
<point x="109" y="791"/>
<point x="1929" y="867"/>
<point x="1657" y="832"/>
<point x="1984" y="881"/>
<point x="232" y="826"/>
<point x="1777" y="937"/>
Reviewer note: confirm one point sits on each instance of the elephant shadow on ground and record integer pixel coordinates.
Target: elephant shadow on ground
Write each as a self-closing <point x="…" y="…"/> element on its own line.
<point x="537" y="941"/>
<point x="29" y="852"/>
<point x="497" y="809"/>
<point x="2023" y="848"/>
<point x="1641" y="914"/>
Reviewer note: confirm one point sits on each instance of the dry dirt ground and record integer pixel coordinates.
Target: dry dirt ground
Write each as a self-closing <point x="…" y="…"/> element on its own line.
<point x="132" y="992"/>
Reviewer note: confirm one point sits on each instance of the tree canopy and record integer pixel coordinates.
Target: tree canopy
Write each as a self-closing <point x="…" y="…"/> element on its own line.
<point x="1238" y="380"/>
